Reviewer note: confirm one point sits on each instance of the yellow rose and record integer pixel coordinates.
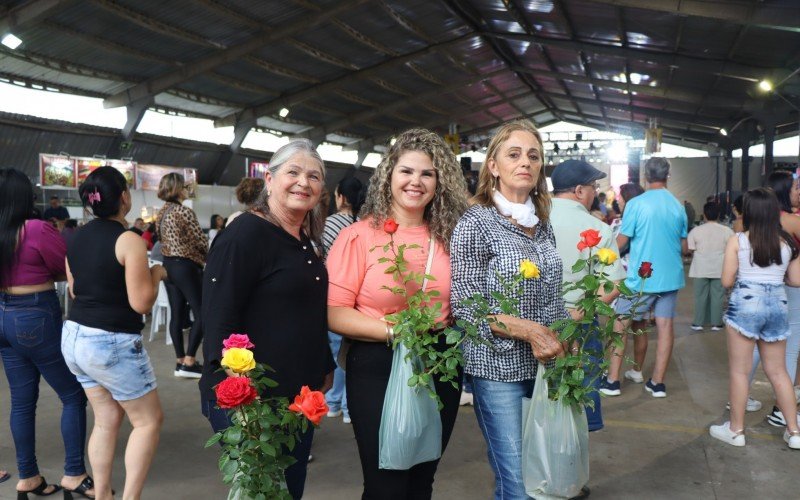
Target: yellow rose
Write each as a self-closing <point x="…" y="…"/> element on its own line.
<point x="606" y="256"/>
<point x="528" y="269"/>
<point x="239" y="360"/>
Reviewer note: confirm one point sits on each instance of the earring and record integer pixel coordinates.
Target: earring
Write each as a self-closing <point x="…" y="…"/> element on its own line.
<point x="269" y="192"/>
<point x="536" y="191"/>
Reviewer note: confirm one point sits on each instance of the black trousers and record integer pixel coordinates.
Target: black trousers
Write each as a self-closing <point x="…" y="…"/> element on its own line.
<point x="184" y="286"/>
<point x="368" y="367"/>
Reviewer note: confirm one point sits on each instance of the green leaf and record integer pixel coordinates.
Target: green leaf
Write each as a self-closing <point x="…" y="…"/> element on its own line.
<point x="214" y="439"/>
<point x="579" y="265"/>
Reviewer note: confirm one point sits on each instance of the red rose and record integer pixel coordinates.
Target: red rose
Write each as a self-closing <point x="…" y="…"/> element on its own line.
<point x="310" y="403"/>
<point x="234" y="392"/>
<point x="646" y="270"/>
<point x="390" y="226"/>
<point x="589" y="238"/>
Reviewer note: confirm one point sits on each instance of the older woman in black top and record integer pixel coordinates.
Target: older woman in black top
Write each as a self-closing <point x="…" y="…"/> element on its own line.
<point x="264" y="278"/>
<point x="508" y="223"/>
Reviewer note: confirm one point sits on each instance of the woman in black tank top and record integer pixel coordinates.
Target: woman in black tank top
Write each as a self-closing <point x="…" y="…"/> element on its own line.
<point x="109" y="278"/>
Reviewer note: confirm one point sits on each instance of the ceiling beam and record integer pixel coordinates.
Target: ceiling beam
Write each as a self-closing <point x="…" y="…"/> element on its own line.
<point x="651" y="112"/>
<point x="396" y="105"/>
<point x="778" y="15"/>
<point x="290" y="100"/>
<point x="369" y="144"/>
<point x="28" y="13"/>
<point x="682" y="61"/>
<point x="470" y="16"/>
<point x="163" y="82"/>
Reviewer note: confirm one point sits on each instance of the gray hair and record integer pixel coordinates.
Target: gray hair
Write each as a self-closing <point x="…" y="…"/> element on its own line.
<point x="656" y="169"/>
<point x="315" y="220"/>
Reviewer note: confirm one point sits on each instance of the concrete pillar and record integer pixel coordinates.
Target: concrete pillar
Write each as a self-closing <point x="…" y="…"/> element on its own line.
<point x="745" y="166"/>
<point x="728" y="176"/>
<point x="769" y="138"/>
<point x="362" y="155"/>
<point x="634" y="161"/>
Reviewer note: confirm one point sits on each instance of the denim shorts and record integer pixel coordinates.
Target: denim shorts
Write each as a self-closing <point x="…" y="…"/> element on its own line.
<point x="117" y="362"/>
<point x="664" y="303"/>
<point x="759" y="311"/>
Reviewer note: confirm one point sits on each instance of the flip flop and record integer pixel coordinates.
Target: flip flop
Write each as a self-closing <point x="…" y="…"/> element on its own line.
<point x="4" y="476"/>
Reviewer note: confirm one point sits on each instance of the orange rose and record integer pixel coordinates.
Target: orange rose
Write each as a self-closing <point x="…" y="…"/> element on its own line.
<point x="311" y="404"/>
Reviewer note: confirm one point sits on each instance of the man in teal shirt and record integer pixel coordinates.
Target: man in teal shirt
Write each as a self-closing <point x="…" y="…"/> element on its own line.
<point x="655" y="225"/>
<point x="574" y="191"/>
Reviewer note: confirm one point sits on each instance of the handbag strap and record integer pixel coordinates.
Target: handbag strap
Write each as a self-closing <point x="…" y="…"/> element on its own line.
<point x="428" y="265"/>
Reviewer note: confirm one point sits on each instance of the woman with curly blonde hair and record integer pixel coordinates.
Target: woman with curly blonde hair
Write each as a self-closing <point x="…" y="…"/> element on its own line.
<point x="418" y="185"/>
<point x="508" y="223"/>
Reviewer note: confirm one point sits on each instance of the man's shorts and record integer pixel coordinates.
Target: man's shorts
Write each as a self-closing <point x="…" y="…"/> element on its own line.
<point x="639" y="307"/>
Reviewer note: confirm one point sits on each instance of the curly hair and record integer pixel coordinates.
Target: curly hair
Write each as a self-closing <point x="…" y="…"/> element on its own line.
<point x="486" y="181"/>
<point x="449" y="201"/>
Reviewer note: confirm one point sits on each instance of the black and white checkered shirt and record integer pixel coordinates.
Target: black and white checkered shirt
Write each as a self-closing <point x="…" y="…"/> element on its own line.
<point x="484" y="244"/>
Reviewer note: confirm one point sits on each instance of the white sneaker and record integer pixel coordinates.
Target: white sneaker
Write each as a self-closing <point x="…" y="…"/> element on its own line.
<point x="752" y="405"/>
<point x="466" y="399"/>
<point x="697" y="328"/>
<point x="634" y="376"/>
<point x="346" y="419"/>
<point x="726" y="435"/>
<point x="793" y="440"/>
<point x="717" y="328"/>
<point x="334" y="413"/>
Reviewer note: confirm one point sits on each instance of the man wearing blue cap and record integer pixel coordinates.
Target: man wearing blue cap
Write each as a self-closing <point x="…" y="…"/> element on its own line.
<point x="574" y="191"/>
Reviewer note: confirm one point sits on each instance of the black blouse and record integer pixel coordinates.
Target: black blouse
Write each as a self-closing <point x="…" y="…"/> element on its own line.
<point x="262" y="281"/>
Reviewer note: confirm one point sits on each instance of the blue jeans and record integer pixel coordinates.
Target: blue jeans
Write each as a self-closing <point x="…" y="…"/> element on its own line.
<point x="337" y="396"/>
<point x="594" y="417"/>
<point x="295" y="474"/>
<point x="498" y="407"/>
<point x="30" y="345"/>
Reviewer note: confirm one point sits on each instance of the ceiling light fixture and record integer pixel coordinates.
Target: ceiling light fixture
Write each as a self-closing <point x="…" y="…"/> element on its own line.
<point x="723" y="131"/>
<point x="765" y="85"/>
<point x="11" y="41"/>
<point x="284" y="112"/>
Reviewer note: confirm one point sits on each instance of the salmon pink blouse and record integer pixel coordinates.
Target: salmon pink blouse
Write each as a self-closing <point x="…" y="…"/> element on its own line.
<point x="356" y="276"/>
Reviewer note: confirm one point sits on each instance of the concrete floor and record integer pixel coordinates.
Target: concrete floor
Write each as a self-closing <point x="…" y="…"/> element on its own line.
<point x="650" y="448"/>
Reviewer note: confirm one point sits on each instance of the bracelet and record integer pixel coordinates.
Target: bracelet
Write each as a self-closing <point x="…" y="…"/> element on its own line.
<point x="389" y="334"/>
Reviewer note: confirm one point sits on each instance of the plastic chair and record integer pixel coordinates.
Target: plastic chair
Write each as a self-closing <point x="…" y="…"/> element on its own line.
<point x="161" y="312"/>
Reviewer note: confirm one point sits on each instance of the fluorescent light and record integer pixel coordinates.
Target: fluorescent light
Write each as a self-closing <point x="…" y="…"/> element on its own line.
<point x="723" y="131"/>
<point x="765" y="85"/>
<point x="11" y="41"/>
<point x="284" y="112"/>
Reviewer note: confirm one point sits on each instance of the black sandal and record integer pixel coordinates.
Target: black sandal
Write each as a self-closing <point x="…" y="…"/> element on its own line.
<point x="39" y="490"/>
<point x="86" y="485"/>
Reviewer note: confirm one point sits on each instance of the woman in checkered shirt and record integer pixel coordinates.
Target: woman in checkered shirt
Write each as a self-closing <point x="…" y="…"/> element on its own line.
<point x="508" y="223"/>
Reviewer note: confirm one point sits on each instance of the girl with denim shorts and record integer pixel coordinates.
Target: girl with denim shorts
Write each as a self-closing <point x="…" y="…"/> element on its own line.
<point x="109" y="278"/>
<point x="756" y="264"/>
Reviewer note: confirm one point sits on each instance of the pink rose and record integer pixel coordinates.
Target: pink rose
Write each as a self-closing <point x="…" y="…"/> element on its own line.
<point x="240" y="340"/>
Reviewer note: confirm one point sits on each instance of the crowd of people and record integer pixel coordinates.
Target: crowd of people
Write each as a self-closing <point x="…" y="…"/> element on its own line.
<point x="311" y="293"/>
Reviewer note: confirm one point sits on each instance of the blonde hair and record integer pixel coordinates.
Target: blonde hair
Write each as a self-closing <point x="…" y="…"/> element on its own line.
<point x="170" y="187"/>
<point x="314" y="222"/>
<point x="486" y="181"/>
<point x="449" y="201"/>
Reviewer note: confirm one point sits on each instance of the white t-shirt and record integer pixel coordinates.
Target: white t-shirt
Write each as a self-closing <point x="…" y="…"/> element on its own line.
<point x="708" y="242"/>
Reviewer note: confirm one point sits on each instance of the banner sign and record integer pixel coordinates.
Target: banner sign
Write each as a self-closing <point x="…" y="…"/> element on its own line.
<point x="88" y="165"/>
<point x="257" y="169"/>
<point x="149" y="176"/>
<point x="56" y="170"/>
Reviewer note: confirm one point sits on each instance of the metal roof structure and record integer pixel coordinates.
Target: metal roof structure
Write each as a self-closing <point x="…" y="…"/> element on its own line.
<point x="355" y="72"/>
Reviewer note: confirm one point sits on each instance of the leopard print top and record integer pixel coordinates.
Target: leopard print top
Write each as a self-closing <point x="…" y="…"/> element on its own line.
<point x="180" y="233"/>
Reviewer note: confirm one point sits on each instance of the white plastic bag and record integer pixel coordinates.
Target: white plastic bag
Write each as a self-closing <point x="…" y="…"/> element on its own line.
<point x="555" y="445"/>
<point x="411" y="428"/>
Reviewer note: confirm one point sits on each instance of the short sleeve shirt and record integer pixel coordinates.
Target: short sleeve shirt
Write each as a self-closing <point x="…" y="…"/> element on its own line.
<point x="655" y="222"/>
<point x="569" y="219"/>
<point x="708" y="242"/>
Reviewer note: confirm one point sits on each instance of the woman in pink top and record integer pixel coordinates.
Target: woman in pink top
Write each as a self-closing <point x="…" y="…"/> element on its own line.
<point x="419" y="184"/>
<point x="31" y="260"/>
